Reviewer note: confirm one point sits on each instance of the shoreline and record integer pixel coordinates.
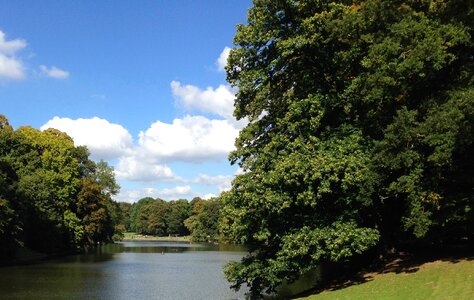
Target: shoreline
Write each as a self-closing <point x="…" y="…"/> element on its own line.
<point x="131" y="237"/>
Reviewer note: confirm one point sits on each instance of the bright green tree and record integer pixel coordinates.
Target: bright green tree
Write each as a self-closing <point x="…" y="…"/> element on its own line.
<point x="360" y="132"/>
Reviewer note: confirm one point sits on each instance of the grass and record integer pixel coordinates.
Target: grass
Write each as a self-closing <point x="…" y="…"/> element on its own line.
<point x="132" y="236"/>
<point x="399" y="279"/>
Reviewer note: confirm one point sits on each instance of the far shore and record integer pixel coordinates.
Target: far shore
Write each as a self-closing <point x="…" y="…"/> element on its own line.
<point x="132" y="236"/>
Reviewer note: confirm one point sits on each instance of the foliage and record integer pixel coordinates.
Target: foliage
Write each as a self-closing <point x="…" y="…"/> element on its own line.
<point x="136" y="207"/>
<point x="204" y="222"/>
<point x="53" y="199"/>
<point x="151" y="218"/>
<point x="178" y="211"/>
<point x="360" y="132"/>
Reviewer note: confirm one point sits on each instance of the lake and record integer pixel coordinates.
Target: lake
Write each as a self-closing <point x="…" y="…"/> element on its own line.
<point x="127" y="270"/>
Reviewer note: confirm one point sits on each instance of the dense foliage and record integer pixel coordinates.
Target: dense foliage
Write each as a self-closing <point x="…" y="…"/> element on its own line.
<point x="203" y="223"/>
<point x="360" y="132"/>
<point x="198" y="218"/>
<point x="53" y="198"/>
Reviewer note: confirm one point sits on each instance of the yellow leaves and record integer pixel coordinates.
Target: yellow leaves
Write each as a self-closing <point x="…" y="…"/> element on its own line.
<point x="432" y="199"/>
<point x="355" y="7"/>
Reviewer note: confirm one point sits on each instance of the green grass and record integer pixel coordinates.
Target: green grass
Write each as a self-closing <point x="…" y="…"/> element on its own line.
<point x="132" y="236"/>
<point x="441" y="279"/>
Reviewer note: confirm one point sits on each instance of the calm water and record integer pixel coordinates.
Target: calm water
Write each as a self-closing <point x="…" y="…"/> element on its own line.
<point x="129" y="270"/>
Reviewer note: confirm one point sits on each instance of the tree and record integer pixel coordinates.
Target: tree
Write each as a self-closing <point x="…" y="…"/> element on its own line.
<point x="53" y="198"/>
<point x="136" y="207"/>
<point x="125" y="210"/>
<point x="178" y="211"/>
<point x="360" y="128"/>
<point x="151" y="218"/>
<point x="204" y="223"/>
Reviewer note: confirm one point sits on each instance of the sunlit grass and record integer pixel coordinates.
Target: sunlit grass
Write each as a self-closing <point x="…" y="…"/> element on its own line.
<point x="447" y="279"/>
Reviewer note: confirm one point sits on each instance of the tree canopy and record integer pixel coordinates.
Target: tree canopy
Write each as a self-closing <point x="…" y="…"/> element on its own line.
<point x="360" y="132"/>
<point x="53" y="198"/>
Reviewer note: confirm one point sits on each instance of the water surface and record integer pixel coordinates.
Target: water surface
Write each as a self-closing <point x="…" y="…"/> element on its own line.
<point x="128" y="270"/>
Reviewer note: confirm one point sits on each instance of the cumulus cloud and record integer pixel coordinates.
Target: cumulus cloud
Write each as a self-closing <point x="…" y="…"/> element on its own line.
<point x="190" y="139"/>
<point x="222" y="182"/>
<point x="221" y="62"/>
<point x="53" y="72"/>
<point x="10" y="66"/>
<point x="105" y="140"/>
<point x="218" y="101"/>
<point x="208" y="196"/>
<point x="174" y="193"/>
<point x="135" y="169"/>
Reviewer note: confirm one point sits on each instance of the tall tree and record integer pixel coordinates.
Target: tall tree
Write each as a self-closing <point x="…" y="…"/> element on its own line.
<point x="360" y="131"/>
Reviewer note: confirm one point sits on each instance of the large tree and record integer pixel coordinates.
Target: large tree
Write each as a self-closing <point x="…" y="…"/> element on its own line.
<point x="360" y="131"/>
<point x="53" y="199"/>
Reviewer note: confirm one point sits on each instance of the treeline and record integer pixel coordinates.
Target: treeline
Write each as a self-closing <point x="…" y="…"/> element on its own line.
<point x="53" y="198"/>
<point x="198" y="218"/>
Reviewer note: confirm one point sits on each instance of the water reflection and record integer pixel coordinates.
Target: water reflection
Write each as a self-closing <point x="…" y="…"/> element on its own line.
<point x="128" y="270"/>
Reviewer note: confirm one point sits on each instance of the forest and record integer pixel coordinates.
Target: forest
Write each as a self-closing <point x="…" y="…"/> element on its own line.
<point x="55" y="200"/>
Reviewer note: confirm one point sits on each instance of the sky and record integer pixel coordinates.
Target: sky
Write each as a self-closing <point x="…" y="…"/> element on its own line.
<point x="140" y="83"/>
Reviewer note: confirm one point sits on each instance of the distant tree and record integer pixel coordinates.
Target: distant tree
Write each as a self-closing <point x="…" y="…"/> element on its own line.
<point x="136" y="207"/>
<point x="204" y="226"/>
<point x="178" y="211"/>
<point x="151" y="218"/>
<point x="125" y="210"/>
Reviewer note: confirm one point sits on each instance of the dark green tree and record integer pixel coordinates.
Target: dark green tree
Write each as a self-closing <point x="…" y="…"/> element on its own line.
<point x="204" y="223"/>
<point x="178" y="211"/>
<point x="151" y="218"/>
<point x="53" y="199"/>
<point x="360" y="132"/>
<point x="136" y="207"/>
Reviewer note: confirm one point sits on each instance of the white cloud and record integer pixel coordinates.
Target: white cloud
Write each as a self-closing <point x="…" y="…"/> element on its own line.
<point x="10" y="66"/>
<point x="105" y="140"/>
<point x="219" y="101"/>
<point x="190" y="139"/>
<point x="53" y="72"/>
<point x="136" y="169"/>
<point x="222" y="182"/>
<point x="174" y="193"/>
<point x="131" y="196"/>
<point x="222" y="60"/>
<point x="208" y="196"/>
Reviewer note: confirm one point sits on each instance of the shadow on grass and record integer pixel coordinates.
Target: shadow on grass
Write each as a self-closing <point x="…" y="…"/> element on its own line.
<point x="395" y="263"/>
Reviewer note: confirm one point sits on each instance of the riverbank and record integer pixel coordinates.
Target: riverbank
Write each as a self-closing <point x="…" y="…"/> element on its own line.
<point x="132" y="236"/>
<point x="401" y="278"/>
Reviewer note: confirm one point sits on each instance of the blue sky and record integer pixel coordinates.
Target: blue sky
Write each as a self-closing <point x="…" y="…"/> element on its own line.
<point x="139" y="82"/>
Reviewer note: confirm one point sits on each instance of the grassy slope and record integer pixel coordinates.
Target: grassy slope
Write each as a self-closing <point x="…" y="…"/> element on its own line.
<point x="441" y="279"/>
